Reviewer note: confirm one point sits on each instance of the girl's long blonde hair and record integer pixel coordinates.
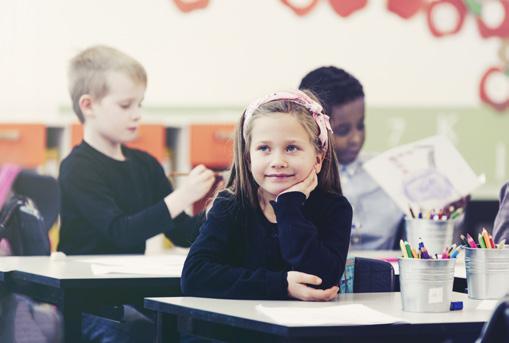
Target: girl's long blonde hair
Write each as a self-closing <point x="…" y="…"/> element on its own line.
<point x="241" y="183"/>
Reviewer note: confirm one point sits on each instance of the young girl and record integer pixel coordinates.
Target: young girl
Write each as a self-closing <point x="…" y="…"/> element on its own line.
<point x="282" y="228"/>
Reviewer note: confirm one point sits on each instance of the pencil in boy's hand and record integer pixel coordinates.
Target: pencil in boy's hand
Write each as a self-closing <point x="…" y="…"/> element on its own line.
<point x="178" y="173"/>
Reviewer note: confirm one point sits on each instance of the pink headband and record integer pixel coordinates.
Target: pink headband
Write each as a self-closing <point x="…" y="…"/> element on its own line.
<point x="299" y="98"/>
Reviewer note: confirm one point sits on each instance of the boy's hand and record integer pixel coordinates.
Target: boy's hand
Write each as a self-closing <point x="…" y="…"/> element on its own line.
<point x="305" y="186"/>
<point x="198" y="183"/>
<point x="196" y="186"/>
<point x="298" y="288"/>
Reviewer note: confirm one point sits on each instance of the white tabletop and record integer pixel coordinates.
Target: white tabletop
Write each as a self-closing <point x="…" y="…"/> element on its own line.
<point x="387" y="303"/>
<point x="96" y="266"/>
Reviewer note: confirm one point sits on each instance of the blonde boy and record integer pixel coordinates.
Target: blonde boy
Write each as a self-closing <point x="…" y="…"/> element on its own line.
<point x="113" y="197"/>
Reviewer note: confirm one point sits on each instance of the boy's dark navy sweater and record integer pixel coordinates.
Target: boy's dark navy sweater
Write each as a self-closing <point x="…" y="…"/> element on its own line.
<point x="240" y="254"/>
<point x="112" y="207"/>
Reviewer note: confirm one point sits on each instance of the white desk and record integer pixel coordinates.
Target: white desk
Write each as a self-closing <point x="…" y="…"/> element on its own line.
<point x="236" y="319"/>
<point x="72" y="284"/>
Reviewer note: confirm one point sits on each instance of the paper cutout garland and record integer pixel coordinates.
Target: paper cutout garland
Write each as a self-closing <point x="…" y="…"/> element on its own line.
<point x="405" y="8"/>
<point x="461" y="11"/>
<point x="499" y="106"/>
<point x="503" y="54"/>
<point x="301" y="10"/>
<point x="191" y="5"/>
<point x="347" y="7"/>
<point x="501" y="31"/>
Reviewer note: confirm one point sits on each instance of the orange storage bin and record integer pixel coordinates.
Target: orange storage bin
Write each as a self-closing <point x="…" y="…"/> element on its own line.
<point x="212" y="145"/>
<point x="76" y="134"/>
<point x="23" y="144"/>
<point x="151" y="138"/>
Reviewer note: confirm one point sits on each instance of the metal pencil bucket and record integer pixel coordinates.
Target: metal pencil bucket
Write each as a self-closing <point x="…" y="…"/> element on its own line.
<point x="426" y="284"/>
<point x="487" y="273"/>
<point x="436" y="234"/>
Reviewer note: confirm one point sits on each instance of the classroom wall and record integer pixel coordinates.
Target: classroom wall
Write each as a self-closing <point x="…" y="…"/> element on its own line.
<point x="234" y="50"/>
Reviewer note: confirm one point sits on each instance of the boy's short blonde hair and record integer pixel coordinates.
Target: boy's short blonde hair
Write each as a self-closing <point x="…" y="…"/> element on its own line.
<point x="88" y="71"/>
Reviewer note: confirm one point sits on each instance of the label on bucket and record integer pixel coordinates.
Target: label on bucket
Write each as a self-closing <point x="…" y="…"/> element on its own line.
<point x="436" y="295"/>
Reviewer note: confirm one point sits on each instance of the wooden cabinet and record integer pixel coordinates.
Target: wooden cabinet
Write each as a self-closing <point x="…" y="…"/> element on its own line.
<point x="212" y="145"/>
<point x="23" y="144"/>
<point x="151" y="138"/>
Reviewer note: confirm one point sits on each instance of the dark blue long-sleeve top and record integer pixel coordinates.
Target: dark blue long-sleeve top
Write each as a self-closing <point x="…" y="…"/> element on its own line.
<point x="113" y="207"/>
<point x="240" y="254"/>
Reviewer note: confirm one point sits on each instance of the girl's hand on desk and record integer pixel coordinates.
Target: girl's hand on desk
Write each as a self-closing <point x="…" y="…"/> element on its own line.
<point x="298" y="288"/>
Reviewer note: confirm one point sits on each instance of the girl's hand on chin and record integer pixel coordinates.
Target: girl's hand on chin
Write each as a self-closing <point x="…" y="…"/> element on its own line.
<point x="305" y="186"/>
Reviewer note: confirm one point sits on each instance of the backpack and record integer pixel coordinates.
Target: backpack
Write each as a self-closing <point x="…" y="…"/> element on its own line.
<point x="22" y="227"/>
<point x="23" y="233"/>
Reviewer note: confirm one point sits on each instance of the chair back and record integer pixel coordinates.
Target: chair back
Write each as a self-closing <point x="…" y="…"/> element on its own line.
<point x="372" y="275"/>
<point x="497" y="328"/>
<point x="30" y="207"/>
<point x="43" y="190"/>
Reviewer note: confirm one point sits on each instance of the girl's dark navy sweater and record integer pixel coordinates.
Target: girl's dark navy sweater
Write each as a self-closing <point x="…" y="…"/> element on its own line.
<point x="239" y="254"/>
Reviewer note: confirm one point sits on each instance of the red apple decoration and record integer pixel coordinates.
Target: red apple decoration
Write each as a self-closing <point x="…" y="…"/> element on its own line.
<point x="191" y="5"/>
<point x="300" y="10"/>
<point x="405" y="8"/>
<point x="499" y="106"/>
<point x="346" y="7"/>
<point x="501" y="31"/>
<point x="460" y="8"/>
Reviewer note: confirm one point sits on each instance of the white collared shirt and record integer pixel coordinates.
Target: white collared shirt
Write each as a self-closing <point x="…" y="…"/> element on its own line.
<point x="376" y="218"/>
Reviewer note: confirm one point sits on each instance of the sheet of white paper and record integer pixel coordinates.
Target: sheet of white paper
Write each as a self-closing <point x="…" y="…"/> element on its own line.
<point x="355" y="314"/>
<point x="165" y="265"/>
<point x="139" y="260"/>
<point x="487" y="305"/>
<point x="427" y="174"/>
<point x="169" y="271"/>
